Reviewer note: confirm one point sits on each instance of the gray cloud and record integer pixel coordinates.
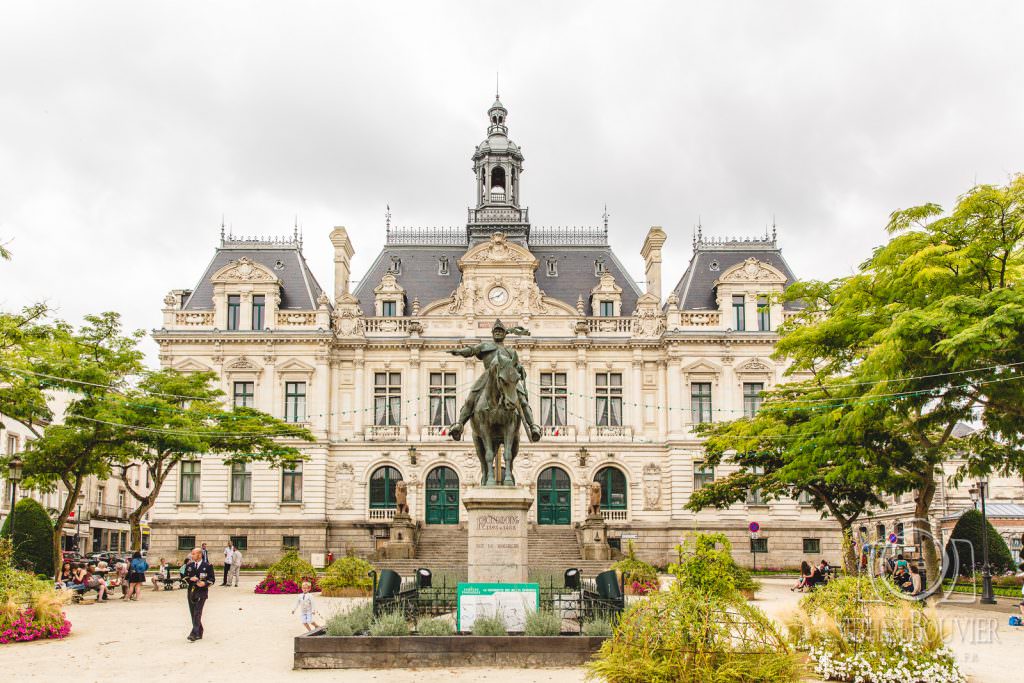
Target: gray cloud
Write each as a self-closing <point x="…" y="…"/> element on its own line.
<point x="127" y="129"/>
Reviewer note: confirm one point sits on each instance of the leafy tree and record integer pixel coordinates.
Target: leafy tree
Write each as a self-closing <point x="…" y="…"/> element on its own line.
<point x="93" y="362"/>
<point x="923" y="337"/>
<point x="968" y="532"/>
<point x="32" y="536"/>
<point x="176" y="416"/>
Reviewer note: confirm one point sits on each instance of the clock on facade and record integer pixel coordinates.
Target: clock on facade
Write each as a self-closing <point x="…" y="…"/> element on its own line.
<point x="498" y="296"/>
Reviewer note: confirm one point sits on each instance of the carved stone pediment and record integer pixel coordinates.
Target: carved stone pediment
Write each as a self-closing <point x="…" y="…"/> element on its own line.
<point x="243" y="364"/>
<point x="752" y="270"/>
<point x="348" y="317"/>
<point x="755" y="365"/>
<point x="498" y="250"/>
<point x="648" y="318"/>
<point x="244" y="270"/>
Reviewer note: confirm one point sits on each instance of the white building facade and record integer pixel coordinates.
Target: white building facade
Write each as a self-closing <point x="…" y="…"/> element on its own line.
<point x="617" y="375"/>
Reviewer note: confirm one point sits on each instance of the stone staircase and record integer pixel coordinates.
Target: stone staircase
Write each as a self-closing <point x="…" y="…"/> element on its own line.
<point x="445" y="549"/>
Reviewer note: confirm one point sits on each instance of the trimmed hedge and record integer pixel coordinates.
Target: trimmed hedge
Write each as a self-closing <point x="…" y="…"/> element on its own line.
<point x="968" y="528"/>
<point x="33" y="537"/>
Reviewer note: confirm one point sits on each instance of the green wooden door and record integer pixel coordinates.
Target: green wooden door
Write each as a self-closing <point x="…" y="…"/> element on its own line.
<point x="442" y="496"/>
<point x="554" y="497"/>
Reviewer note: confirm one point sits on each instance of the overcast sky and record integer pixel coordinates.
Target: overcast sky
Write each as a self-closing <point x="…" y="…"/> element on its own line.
<point x="127" y="129"/>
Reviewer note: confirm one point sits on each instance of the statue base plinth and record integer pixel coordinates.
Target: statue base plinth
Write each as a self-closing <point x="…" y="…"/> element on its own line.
<point x="498" y="526"/>
<point x="595" y="539"/>
<point x="400" y="543"/>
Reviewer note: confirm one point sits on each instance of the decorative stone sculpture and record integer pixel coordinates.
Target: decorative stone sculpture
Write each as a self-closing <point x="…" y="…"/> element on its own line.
<point x="401" y="498"/>
<point x="594" y="506"/>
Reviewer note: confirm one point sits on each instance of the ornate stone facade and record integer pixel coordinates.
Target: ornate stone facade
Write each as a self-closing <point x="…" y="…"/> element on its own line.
<point x="618" y="378"/>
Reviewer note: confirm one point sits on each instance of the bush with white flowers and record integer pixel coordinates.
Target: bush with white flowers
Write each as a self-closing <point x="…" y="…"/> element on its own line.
<point x="855" y="629"/>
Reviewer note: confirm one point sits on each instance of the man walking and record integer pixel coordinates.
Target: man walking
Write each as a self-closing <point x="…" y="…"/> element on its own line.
<point x="236" y="565"/>
<point x="229" y="553"/>
<point x="198" y="575"/>
<point x="205" y="553"/>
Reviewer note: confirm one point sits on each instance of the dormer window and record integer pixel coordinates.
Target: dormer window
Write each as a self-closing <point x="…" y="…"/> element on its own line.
<point x="259" y="304"/>
<point x="599" y="267"/>
<point x="389" y="309"/>
<point x="714" y="266"/>
<point x="607" y="309"/>
<point x="279" y="265"/>
<point x="739" y="309"/>
<point x="442" y="266"/>
<point x="552" y="265"/>
<point x="764" y="317"/>
<point x="396" y="266"/>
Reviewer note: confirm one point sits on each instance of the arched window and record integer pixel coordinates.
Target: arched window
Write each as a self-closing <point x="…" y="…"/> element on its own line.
<point x="613" y="488"/>
<point x="497" y="179"/>
<point x="382" y="487"/>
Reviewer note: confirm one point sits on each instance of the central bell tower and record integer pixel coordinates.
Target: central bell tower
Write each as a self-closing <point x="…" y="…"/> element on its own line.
<point x="498" y="165"/>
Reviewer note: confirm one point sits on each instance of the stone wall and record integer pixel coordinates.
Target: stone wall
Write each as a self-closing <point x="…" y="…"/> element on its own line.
<point x="264" y="538"/>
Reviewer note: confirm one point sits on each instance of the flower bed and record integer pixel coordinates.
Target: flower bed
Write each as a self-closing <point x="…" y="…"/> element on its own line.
<point x="272" y="586"/>
<point x="24" y="628"/>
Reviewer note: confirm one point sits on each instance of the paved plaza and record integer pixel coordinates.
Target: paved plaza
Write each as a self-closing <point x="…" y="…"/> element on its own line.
<point x="248" y="637"/>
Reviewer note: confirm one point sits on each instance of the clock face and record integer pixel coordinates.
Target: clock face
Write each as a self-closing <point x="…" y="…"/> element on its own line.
<point x="498" y="296"/>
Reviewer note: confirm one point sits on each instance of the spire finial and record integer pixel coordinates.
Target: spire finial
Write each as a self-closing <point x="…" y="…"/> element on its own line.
<point x="773" y="228"/>
<point x="497" y="90"/>
<point x="295" y="230"/>
<point x="387" y="218"/>
<point x="604" y="216"/>
<point x="222" y="229"/>
<point x="700" y="230"/>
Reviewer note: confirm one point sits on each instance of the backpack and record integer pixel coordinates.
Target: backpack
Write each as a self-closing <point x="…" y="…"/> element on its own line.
<point x="1015" y="621"/>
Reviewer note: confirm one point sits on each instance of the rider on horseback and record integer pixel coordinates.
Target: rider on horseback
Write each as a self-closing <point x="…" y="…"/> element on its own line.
<point x="488" y="352"/>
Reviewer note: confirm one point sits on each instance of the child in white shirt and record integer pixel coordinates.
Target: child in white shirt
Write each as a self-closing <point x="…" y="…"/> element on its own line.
<point x="305" y="606"/>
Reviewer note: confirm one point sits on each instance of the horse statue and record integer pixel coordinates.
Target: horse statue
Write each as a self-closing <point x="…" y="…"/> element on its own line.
<point x="496" y="406"/>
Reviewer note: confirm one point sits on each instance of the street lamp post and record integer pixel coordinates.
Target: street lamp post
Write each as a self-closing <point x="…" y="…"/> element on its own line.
<point x="987" y="597"/>
<point x="14" y="475"/>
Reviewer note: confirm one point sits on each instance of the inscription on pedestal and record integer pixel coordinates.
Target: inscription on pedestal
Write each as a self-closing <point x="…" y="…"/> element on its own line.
<point x="497" y="533"/>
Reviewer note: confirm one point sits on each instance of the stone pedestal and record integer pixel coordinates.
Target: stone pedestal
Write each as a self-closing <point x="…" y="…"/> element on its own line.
<point x="400" y="544"/>
<point x="498" y="528"/>
<point x="595" y="539"/>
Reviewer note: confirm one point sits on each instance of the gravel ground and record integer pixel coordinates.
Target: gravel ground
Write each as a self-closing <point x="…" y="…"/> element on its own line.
<point x="248" y="637"/>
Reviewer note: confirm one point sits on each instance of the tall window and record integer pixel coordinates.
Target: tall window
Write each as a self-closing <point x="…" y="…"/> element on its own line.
<point x="241" y="483"/>
<point x="442" y="398"/>
<point x="389" y="309"/>
<point x="186" y="542"/>
<point x="291" y="483"/>
<point x="240" y="542"/>
<point x="755" y="496"/>
<point x="613" y="488"/>
<point x="387" y="398"/>
<point x="739" y="309"/>
<point x="700" y="402"/>
<point x="764" y="316"/>
<point x="752" y="398"/>
<point x="294" y="401"/>
<point x="607" y="309"/>
<point x="234" y="304"/>
<point x="189" y="481"/>
<point x="609" y="399"/>
<point x="554" y="392"/>
<point x="259" y="304"/>
<point x="702" y="475"/>
<point x="244" y="394"/>
<point x="382" y="487"/>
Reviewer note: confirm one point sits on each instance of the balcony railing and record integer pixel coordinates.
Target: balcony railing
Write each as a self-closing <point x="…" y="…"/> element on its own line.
<point x="390" y="326"/>
<point x="615" y="515"/>
<point x="385" y="432"/>
<point x="296" y="318"/>
<point x="614" y="325"/>
<point x="612" y="433"/>
<point x="559" y="432"/>
<point x="381" y="514"/>
<point x="193" y="318"/>
<point x="104" y="511"/>
<point x="702" y="319"/>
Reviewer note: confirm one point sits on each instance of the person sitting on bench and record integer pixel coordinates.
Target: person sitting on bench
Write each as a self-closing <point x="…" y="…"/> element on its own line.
<point x="163" y="575"/>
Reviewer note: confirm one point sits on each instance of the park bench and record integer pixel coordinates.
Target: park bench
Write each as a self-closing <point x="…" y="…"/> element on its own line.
<point x="604" y="597"/>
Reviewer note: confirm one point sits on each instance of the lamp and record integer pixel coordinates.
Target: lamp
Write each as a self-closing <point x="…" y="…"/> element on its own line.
<point x="582" y="454"/>
<point x="14" y="475"/>
<point x="987" y="597"/>
<point x="412" y="455"/>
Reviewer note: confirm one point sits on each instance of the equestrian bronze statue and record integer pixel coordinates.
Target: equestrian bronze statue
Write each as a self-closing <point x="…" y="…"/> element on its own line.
<point x="496" y="406"/>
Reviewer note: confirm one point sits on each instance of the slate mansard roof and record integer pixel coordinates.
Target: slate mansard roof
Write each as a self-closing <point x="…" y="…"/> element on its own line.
<point x="299" y="288"/>
<point x="711" y="258"/>
<point x="419" y="274"/>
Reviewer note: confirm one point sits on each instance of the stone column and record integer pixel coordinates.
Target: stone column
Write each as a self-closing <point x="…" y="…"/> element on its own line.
<point x="498" y="526"/>
<point x="637" y="380"/>
<point x="415" y="403"/>
<point x="674" y="380"/>
<point x="359" y="395"/>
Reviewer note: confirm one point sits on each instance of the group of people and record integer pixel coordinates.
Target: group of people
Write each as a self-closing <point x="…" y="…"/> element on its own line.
<point x="127" y="575"/>
<point x="811" y="576"/>
<point x="907" y="577"/>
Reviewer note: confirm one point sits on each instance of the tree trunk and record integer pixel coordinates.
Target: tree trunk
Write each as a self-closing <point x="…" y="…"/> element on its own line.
<point x="58" y="529"/>
<point x="923" y="526"/>
<point x="850" y="563"/>
<point x="135" y="520"/>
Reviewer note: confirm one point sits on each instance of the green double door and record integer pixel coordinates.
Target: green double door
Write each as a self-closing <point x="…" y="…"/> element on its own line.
<point x="442" y="496"/>
<point x="554" y="497"/>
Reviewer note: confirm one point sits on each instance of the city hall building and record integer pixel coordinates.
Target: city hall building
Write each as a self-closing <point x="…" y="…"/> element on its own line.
<point x="618" y="377"/>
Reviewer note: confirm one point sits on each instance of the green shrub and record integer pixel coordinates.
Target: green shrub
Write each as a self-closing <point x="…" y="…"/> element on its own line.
<point x="353" y="622"/>
<point x="859" y="628"/>
<point x="490" y="626"/>
<point x="543" y="623"/>
<point x="347" y="572"/>
<point x="291" y="567"/>
<point x="685" y="637"/>
<point x="389" y="624"/>
<point x="633" y="569"/>
<point x="968" y="528"/>
<point x="435" y="627"/>
<point x="33" y="537"/>
<point x="708" y="570"/>
<point x="597" y="627"/>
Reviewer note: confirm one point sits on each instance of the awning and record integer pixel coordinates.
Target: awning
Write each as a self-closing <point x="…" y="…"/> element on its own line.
<point x="102" y="524"/>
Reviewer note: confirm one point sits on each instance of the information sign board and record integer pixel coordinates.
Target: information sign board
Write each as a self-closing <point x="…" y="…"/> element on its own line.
<point x="513" y="601"/>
